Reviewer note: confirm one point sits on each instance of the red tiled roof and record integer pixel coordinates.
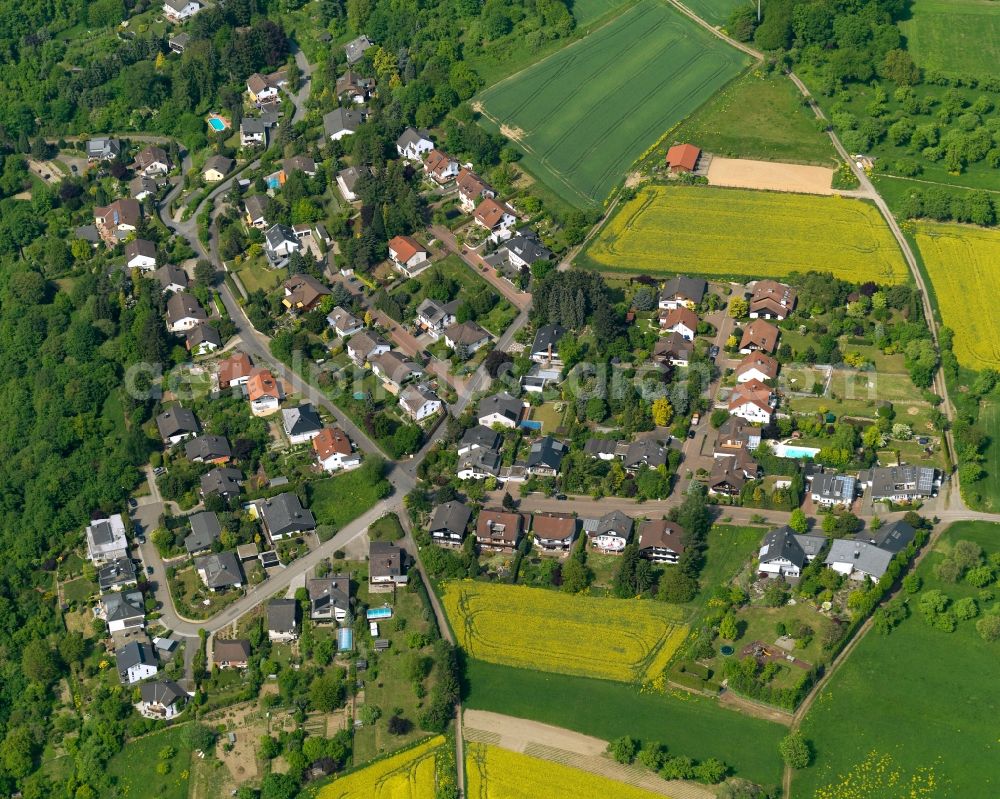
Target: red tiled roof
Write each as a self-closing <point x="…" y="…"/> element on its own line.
<point x="331" y="441"/>
<point x="684" y="156"/>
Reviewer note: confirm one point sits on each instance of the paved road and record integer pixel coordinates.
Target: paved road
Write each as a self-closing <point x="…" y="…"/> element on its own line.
<point x="520" y="299"/>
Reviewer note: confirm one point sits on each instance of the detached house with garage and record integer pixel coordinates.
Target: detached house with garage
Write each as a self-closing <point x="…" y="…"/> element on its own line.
<point x="545" y="457"/>
<point x="682" y="291"/>
<point x="153" y="160"/>
<point x="435" y="317"/>
<point x="772" y="300"/>
<point x="303" y="293"/>
<point x="136" y="662"/>
<point x="216" y="168"/>
<point x="253" y="133"/>
<point x="184" y="312"/>
<point x="282" y="620"/>
<point x="263" y="392"/>
<point x="202" y="339"/>
<point x="205" y="531"/>
<point x="386" y="567"/>
<point x="729" y="474"/>
<point x="479" y="437"/>
<point x="448" y="524"/>
<point x="116" y="221"/>
<point x="498" y="530"/>
<point x="466" y="337"/>
<point x="301" y="424"/>
<point x="106" y="540"/>
<point x="472" y="190"/>
<point x="497" y="218"/>
<point x="172" y="278"/>
<point x="283" y="516"/>
<point x="413" y="144"/>
<point x="408" y="255"/>
<point x="223" y="481"/>
<point x="329" y="598"/>
<point x="341" y="122"/>
<point x="161" y="700"/>
<point x="757" y="366"/>
<point x="478" y="464"/>
<point x="334" y="451"/>
<point x="394" y="370"/>
<point x="759" y="336"/>
<point x="231" y="653"/>
<point x="419" y="402"/>
<point x="177" y="11"/>
<point x="440" y="167"/>
<point x="234" y="370"/>
<point x="753" y="401"/>
<point x="661" y="541"/>
<point x="344" y="323"/>
<point x="122" y="611"/>
<point x="220" y="571"/>
<point x="554" y="531"/>
<point x="365" y="345"/>
<point x="682" y="321"/>
<point x="176" y="424"/>
<point x="208" y="449"/>
<point x="784" y="553"/>
<point x="612" y="532"/>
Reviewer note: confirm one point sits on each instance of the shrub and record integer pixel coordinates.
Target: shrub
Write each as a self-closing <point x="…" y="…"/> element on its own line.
<point x="623" y="749"/>
<point x="795" y="750"/>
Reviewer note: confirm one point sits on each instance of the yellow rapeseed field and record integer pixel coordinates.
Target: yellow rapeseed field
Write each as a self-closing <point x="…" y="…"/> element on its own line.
<point x="736" y="232"/>
<point x="615" y="639"/>
<point x="963" y="263"/>
<point x="408" y="775"/>
<point x="495" y="773"/>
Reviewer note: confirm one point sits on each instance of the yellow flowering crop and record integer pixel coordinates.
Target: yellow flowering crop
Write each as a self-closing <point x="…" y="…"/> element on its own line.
<point x="408" y="775"/>
<point x="615" y="639"/>
<point x="879" y="776"/>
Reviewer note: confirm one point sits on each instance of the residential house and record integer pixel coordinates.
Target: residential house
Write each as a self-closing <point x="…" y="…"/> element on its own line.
<point x="435" y="317"/>
<point x="116" y="575"/>
<point x="682" y="291"/>
<point x="141" y="187"/>
<point x="253" y="132"/>
<point x="538" y="378"/>
<point x="757" y="366"/>
<point x="180" y="10"/>
<point x="604" y="449"/>
<point x="280" y="242"/>
<point x="347" y="182"/>
<point x="106" y="539"/>
<point x="119" y="218"/>
<point x="673" y="349"/>
<point x="283" y="516"/>
<point x="394" y="369"/>
<point x="893" y="537"/>
<point x="220" y="571"/>
<point x="231" y="653"/>
<point x="122" y="611"/>
<point x="728" y="476"/>
<point x="102" y="148"/>
<point x="178" y="41"/>
<point x="858" y="559"/>
<point x="161" y="700"/>
<point x="413" y="143"/>
<point x="903" y="483"/>
<point x="264" y="89"/>
<point x="525" y="249"/>
<point x="208" y="449"/>
<point x="334" y="451"/>
<point x="299" y="163"/>
<point x="301" y="423"/>
<point x="479" y="437"/>
<point x="612" y="532"/>
<point x="440" y="167"/>
<point x="661" y="541"/>
<point x="419" y="402"/>
<point x="772" y="300"/>
<point x="303" y="292"/>
<point x="184" y="312"/>
<point x="136" y="662"/>
<point x="235" y="370"/>
<point x="202" y="339"/>
<point x="545" y="348"/>
<point x="497" y="218"/>
<point x="644" y="452"/>
<point x="753" y="401"/>
<point x="356" y="48"/>
<point x="344" y="323"/>
<point x="683" y="158"/>
<point x="365" y="345"/>
<point x="502" y="409"/>
<point x="341" y="122"/>
<point x="177" y="423"/>
<point x="282" y="620"/>
<point x="466" y="337"/>
<point x="222" y="480"/>
<point x="172" y="278"/>
<point x="216" y="168"/>
<point x="472" y="190"/>
<point x="499" y="530"/>
<point x="329" y="598"/>
<point x="449" y="523"/>
<point x="386" y="567"/>
<point x="408" y="255"/>
<point x="828" y="490"/>
<point x="736" y="438"/>
<point x="256" y="207"/>
<point x="205" y="531"/>
<point x="554" y="531"/>
<point x="545" y="457"/>
<point x="682" y="321"/>
<point x="355" y="88"/>
<point x="478" y="464"/>
<point x="784" y="553"/>
<point x="140" y="254"/>
<point x="263" y="392"/>
<point x="152" y="160"/>
<point x="759" y="336"/>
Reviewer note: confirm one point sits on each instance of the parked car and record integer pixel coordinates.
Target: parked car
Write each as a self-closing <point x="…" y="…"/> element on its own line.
<point x="560" y="496"/>
<point x="713" y="352"/>
<point x="149" y="570"/>
<point x="159" y="470"/>
<point x="690" y="433"/>
<point x="132" y="503"/>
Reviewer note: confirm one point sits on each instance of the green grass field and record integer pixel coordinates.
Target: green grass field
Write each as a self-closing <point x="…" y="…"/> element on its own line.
<point x="954" y="36"/>
<point x="687" y="724"/>
<point x="920" y="701"/>
<point x="737" y="233"/>
<point x="989" y="487"/>
<point x="134" y="769"/>
<point x="341" y="499"/>
<point x="729" y="548"/>
<point x="715" y="11"/>
<point x="757" y="116"/>
<point x="587" y="11"/>
<point x="585" y="114"/>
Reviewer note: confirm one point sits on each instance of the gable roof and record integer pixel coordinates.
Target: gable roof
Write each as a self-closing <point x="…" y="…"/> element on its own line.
<point x="350" y="177"/>
<point x="480" y="437"/>
<point x="282" y="615"/>
<point x="681" y="315"/>
<point x="182" y="305"/>
<point x="225" y="481"/>
<point x="893" y="537"/>
<point x="235" y="367"/>
<point x="548" y="336"/>
<point x="466" y="333"/>
<point x="614" y="523"/>
<point x="355" y="49"/>
<point x="341" y="119"/>
<point x="202" y="333"/>
<point x="861" y="555"/>
<point x="329" y="592"/>
<point x="553" y="526"/>
<point x="279" y="234"/>
<point x="395" y="366"/>
<point x="301" y="419"/>
<point x="480" y="460"/>
<point x="503" y="404"/>
<point x="452" y="517"/>
<point x="672" y="346"/>
<point x="684" y="287"/>
<point x="262" y="384"/>
<point x="135" y="654"/>
<point x="205" y="531"/>
<point x="256" y="205"/>
<point x="760" y="361"/>
<point x="773" y="295"/>
<point x="725" y="470"/>
<point x="837" y="487"/>
<point x="161" y="692"/>
<point x="645" y="451"/>
<point x="207" y="447"/>
<point x="435" y="313"/>
<point x="411" y="137"/>
<point x="123" y="606"/>
<point x="753" y="392"/>
<point x="683" y="155"/>
<point x="661" y="534"/>
<point x="781" y="544"/>
<point x="176" y="421"/>
<point x="169" y="275"/>
<point x="498" y="525"/>
<point x="230" y="650"/>
<point x="140" y="247"/>
<point x="437" y="161"/>
<point x="547" y="451"/>
<point x="219" y="163"/>
<point x="413" y="398"/>
<point x="331" y="441"/>
<point x="760" y="334"/>
<point x="365" y="342"/>
<point x="153" y="154"/>
<point x="284" y="513"/>
<point x="384" y="560"/>
<point x="527" y="247"/>
<point x="490" y="213"/>
<point x="470" y="184"/>
<point x="405" y="247"/>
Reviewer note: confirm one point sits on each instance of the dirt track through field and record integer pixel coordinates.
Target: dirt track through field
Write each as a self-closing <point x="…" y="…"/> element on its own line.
<point x="571" y="749"/>
<point x="742" y="173"/>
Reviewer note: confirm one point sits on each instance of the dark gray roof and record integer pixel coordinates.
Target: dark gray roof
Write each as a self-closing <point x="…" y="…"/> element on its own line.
<point x="548" y="335"/>
<point x="278" y="234"/>
<point x="252" y="126"/>
<point x="527" y="247"/>
<point x="183" y="306"/>
<point x="350" y="177"/>
<point x="600" y="446"/>
<point x="207" y="448"/>
<point x="221" y="480"/>
<point x="126" y="605"/>
<point x="168" y="275"/>
<point x="903" y="479"/>
<point x="177" y="421"/>
<point x="326" y="593"/>
<point x="139" y="247"/>
<point x="161" y="692"/>
<point x="480" y="436"/>
<point x="480" y="460"/>
<point x="88" y="233"/>
<point x="203" y="334"/>
<point x="256" y="205"/>
<point x="384" y="559"/>
<point x="691" y="288"/>
<point x="893" y="537"/>
<point x="811" y="545"/>
<point x="452" y="517"/>
<point x="117" y="572"/>
<point x="282" y="615"/>
<point x="503" y="403"/>
<point x="645" y="451"/>
<point x="781" y="543"/>
<point x="412" y="136"/>
<point x="614" y="523"/>
<point x="219" y="163"/>
<point x="547" y="451"/>
<point x="837" y="487"/>
<point x="284" y="514"/>
<point x="355" y="49"/>
<point x="135" y="654"/>
<point x="341" y="119"/>
<point x="302" y="419"/>
<point x="222" y="569"/>
<point x="205" y="531"/>
<point x="103" y="147"/>
<point x="862" y="556"/>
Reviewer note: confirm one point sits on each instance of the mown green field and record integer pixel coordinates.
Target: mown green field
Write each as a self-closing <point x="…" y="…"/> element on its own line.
<point x="585" y="114"/>
<point x="587" y="11"/>
<point x="954" y="36"/>
<point x="989" y="487"/>
<point x="739" y="233"/>
<point x="919" y="703"/>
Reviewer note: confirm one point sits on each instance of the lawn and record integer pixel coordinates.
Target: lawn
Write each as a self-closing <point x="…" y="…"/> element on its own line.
<point x="79" y="590"/>
<point x="408" y="775"/>
<point x="729" y="549"/>
<point x="615" y="639"/>
<point x="585" y="114"/>
<point x="688" y="725"/>
<point x="340" y="500"/>
<point x="919" y="703"/>
<point x="757" y="116"/>
<point x="254" y="275"/>
<point x="134" y="769"/>
<point x="989" y="487"/>
<point x="959" y="37"/>
<point x="496" y="773"/>
<point x="961" y="262"/>
<point x="194" y="600"/>
<point x="387" y="528"/>
<point x="739" y="234"/>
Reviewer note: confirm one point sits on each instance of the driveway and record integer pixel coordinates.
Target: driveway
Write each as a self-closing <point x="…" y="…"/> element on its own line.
<point x="520" y="299"/>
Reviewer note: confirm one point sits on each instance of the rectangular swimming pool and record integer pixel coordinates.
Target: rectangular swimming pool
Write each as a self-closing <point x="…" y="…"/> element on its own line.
<point x="345" y="639"/>
<point x="373" y="614"/>
<point x="216" y="124"/>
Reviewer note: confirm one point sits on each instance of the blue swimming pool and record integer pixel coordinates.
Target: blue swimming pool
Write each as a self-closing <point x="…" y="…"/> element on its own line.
<point x="373" y="614"/>
<point x="216" y="124"/>
<point x="531" y="424"/>
<point x="792" y="451"/>
<point x="273" y="182"/>
<point x="345" y="639"/>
